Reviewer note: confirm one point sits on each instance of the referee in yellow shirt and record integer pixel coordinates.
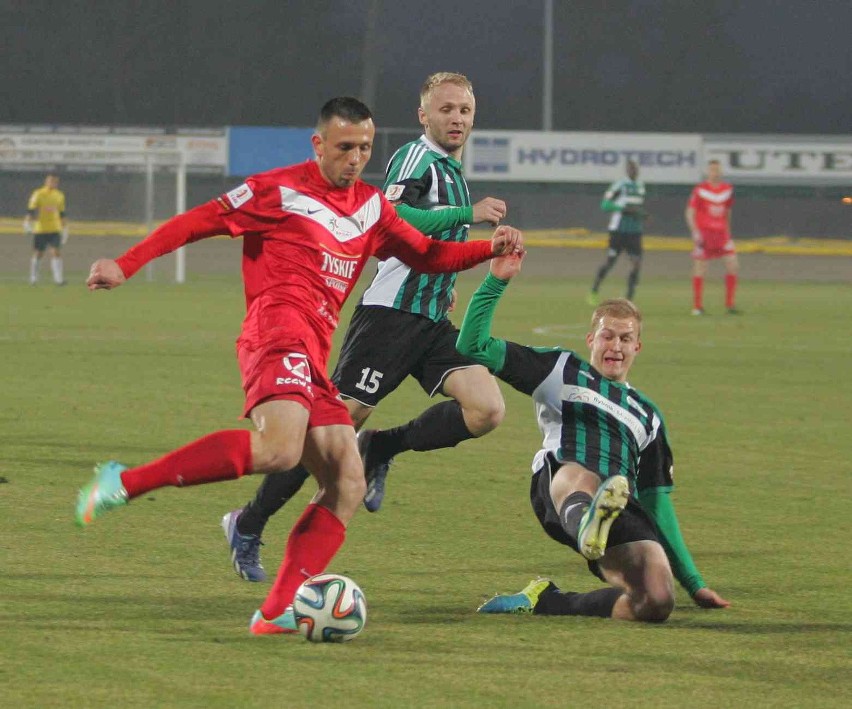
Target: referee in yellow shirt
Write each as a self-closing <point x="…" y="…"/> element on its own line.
<point x="45" y="221"/>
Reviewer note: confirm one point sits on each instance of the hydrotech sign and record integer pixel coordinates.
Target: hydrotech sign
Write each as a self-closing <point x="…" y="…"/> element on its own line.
<point x="532" y="156"/>
<point x="793" y="161"/>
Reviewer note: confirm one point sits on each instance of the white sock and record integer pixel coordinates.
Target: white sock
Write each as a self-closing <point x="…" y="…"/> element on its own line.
<point x="56" y="267"/>
<point x="34" y="269"/>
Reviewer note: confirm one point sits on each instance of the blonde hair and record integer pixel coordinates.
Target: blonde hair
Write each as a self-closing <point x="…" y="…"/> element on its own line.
<point x="435" y="80"/>
<point x="620" y="308"/>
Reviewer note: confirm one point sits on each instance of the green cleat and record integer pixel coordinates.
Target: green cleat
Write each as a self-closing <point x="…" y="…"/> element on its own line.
<point x="522" y="602"/>
<point x="607" y="504"/>
<point x="283" y="624"/>
<point x="592" y="298"/>
<point x="102" y="493"/>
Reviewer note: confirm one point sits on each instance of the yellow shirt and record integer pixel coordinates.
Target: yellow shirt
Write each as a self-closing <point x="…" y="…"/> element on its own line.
<point x="49" y="206"/>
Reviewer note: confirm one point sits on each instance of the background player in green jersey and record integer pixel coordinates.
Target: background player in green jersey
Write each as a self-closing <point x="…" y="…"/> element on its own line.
<point x="400" y="327"/>
<point x="625" y="200"/>
<point x="45" y="222"/>
<point x="602" y="478"/>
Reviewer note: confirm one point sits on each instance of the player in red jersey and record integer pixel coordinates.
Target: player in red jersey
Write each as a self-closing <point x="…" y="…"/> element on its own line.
<point x="307" y="232"/>
<point x="708" y="214"/>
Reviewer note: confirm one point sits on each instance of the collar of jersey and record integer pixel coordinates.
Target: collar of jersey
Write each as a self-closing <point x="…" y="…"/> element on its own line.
<point x="440" y="151"/>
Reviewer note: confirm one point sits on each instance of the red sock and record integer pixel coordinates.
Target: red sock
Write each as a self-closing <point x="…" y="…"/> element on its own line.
<point x="312" y="544"/>
<point x="697" y="292"/>
<point x="730" y="289"/>
<point x="224" y="455"/>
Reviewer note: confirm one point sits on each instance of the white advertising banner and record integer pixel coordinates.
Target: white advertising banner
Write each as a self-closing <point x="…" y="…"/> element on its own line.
<point x="82" y="147"/>
<point x="789" y="160"/>
<point x="537" y="156"/>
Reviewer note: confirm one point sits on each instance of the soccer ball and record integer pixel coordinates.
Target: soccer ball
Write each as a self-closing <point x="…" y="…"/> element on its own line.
<point x="330" y="608"/>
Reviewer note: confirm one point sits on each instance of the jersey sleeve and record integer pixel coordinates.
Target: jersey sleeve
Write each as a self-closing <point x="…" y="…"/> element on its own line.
<point x="408" y="183"/>
<point x="434" y="221"/>
<point x="198" y="223"/>
<point x="654" y="487"/>
<point x="32" y="205"/>
<point x="250" y="207"/>
<point x="396" y="238"/>
<point x="693" y="199"/>
<point x="524" y="368"/>
<point x="608" y="202"/>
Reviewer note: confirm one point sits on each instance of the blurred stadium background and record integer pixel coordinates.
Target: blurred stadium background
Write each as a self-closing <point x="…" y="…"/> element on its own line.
<point x="753" y="84"/>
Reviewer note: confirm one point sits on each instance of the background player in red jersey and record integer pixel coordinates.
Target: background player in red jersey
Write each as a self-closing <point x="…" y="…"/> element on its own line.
<point x="307" y="232"/>
<point x="708" y="214"/>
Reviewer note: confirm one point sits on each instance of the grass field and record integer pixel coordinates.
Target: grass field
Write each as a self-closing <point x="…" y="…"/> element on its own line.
<point x="143" y="609"/>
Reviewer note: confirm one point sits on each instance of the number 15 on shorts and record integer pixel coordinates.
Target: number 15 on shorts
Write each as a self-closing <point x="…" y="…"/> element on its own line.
<point x="369" y="381"/>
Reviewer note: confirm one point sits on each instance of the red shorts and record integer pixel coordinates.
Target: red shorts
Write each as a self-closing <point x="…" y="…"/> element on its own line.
<point x="286" y="372"/>
<point x="716" y="244"/>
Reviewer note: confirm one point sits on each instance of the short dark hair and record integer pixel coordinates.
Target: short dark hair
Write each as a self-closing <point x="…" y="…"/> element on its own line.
<point x="345" y="107"/>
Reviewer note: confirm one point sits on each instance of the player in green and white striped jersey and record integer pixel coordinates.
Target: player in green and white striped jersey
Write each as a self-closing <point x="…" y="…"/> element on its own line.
<point x="602" y="478"/>
<point x="625" y="201"/>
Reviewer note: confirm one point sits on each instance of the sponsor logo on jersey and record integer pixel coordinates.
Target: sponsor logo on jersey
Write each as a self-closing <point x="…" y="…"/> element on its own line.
<point x="239" y="195"/>
<point x="394" y="192"/>
<point x="299" y="371"/>
<point x="339" y="270"/>
<point x="298" y="365"/>
<point x="580" y="394"/>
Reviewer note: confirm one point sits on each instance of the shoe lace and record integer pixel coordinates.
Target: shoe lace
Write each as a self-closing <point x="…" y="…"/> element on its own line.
<point x="249" y="549"/>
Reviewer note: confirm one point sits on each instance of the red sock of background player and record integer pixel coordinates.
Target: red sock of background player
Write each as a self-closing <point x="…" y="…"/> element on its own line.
<point x="312" y="544"/>
<point x="224" y="455"/>
<point x="697" y="292"/>
<point x="730" y="289"/>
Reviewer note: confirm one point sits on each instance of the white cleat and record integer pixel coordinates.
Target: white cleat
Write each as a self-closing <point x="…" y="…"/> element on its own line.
<point x="608" y="502"/>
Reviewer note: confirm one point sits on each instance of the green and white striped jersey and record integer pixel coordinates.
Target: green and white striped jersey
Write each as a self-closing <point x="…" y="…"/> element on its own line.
<point x="604" y="425"/>
<point x="422" y="178"/>
<point x="625" y="193"/>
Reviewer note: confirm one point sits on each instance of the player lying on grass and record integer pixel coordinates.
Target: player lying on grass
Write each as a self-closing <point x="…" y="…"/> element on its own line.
<point x="308" y="231"/>
<point x="602" y="478"/>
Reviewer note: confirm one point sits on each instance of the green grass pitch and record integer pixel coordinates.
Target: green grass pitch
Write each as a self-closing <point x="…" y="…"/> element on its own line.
<point x="142" y="609"/>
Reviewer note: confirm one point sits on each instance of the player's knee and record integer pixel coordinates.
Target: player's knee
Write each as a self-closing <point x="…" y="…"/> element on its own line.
<point x="654" y="606"/>
<point x="271" y="457"/>
<point x="487" y="416"/>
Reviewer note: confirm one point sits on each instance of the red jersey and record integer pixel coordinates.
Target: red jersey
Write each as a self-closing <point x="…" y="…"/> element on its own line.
<point x="712" y="205"/>
<point x="305" y="242"/>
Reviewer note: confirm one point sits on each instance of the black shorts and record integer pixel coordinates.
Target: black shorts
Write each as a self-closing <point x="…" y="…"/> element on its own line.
<point x="624" y="241"/>
<point x="42" y="241"/>
<point x="632" y="525"/>
<point x="383" y="346"/>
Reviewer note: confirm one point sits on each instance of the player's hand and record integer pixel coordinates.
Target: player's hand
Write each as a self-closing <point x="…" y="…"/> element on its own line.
<point x="105" y="274"/>
<point x="454" y="296"/>
<point x="506" y="240"/>
<point x="490" y="210"/>
<point x="28" y="227"/>
<point x="507" y="267"/>
<point x="708" y="598"/>
<point x="63" y="239"/>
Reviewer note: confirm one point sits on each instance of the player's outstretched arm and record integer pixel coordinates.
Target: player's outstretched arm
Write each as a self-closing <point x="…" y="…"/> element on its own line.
<point x="105" y="274"/>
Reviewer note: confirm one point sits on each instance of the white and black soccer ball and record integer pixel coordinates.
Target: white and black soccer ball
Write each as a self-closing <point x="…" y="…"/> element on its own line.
<point x="330" y="608"/>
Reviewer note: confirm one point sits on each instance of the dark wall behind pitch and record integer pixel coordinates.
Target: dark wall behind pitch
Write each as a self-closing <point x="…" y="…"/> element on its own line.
<point x="762" y="66"/>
